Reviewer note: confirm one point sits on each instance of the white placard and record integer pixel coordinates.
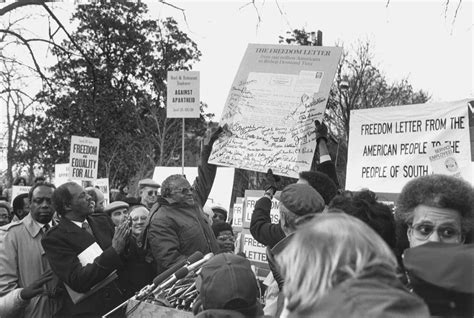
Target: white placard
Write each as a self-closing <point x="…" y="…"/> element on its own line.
<point x="277" y="94"/>
<point x="389" y="146"/>
<point x="238" y="213"/>
<point x="183" y="94"/>
<point x="17" y="190"/>
<point x="84" y="158"/>
<point x="251" y="198"/>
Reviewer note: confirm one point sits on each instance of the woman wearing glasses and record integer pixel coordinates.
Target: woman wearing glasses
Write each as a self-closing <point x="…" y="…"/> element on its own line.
<point x="435" y="220"/>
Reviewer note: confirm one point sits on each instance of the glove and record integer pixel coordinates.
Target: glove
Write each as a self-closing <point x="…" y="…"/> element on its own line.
<point x="271" y="181"/>
<point x="321" y="131"/>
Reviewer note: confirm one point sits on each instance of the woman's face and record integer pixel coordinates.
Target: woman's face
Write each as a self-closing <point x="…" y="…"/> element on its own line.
<point x="432" y="224"/>
<point x="139" y="218"/>
<point x="225" y="239"/>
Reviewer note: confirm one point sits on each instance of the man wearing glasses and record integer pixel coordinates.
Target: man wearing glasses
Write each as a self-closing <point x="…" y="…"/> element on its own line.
<point x="179" y="227"/>
<point x="148" y="191"/>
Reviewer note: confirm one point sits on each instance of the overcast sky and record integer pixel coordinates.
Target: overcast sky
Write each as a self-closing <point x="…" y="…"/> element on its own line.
<point x="410" y="39"/>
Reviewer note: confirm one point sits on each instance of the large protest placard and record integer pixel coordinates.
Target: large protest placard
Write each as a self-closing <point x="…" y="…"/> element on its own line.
<point x="221" y="191"/>
<point x="390" y="146"/>
<point x="251" y="198"/>
<point x="277" y="94"/>
<point x="183" y="94"/>
<point x="84" y="158"/>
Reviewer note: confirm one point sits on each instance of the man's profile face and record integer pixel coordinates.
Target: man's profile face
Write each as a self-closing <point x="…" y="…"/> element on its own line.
<point x="41" y="208"/>
<point x="149" y="195"/>
<point x="81" y="204"/>
<point x="181" y="191"/>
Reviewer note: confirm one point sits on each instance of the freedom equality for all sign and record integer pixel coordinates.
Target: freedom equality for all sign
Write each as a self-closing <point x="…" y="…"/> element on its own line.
<point x="83" y="158"/>
<point x="277" y="94"/>
<point x="391" y="145"/>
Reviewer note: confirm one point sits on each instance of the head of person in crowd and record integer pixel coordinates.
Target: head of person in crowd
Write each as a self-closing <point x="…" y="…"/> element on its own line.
<point x="435" y="208"/>
<point x="227" y="284"/>
<point x="39" y="179"/>
<point x="21" y="205"/>
<point x="139" y="216"/>
<point x="320" y="182"/>
<point x="176" y="188"/>
<point x="299" y="202"/>
<point x="118" y="212"/>
<point x="98" y="198"/>
<point x="225" y="236"/>
<point x="220" y="214"/>
<point x="337" y="247"/>
<point x="72" y="202"/>
<point x="5" y="213"/>
<point x="20" y="181"/>
<point x="148" y="192"/>
<point x="364" y="206"/>
<point x="41" y="202"/>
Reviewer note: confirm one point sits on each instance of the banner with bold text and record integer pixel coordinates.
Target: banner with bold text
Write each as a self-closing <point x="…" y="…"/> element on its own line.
<point x="84" y="158"/>
<point x="391" y="145"/>
<point x="277" y="94"/>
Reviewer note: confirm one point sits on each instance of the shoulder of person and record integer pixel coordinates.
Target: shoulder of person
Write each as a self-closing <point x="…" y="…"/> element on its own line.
<point x="10" y="226"/>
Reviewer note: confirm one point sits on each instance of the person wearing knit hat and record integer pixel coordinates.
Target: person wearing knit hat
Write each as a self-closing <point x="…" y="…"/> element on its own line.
<point x="118" y="211"/>
<point x="228" y="288"/>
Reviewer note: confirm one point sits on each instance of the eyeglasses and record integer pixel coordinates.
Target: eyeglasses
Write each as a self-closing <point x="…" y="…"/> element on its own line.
<point x="225" y="238"/>
<point x="183" y="190"/>
<point x="152" y="192"/>
<point x="446" y="233"/>
<point x="40" y="200"/>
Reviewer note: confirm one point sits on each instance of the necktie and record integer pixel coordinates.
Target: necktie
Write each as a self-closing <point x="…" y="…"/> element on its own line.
<point x="87" y="227"/>
<point x="45" y="229"/>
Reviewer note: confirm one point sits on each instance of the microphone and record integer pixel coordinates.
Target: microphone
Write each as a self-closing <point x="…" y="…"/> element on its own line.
<point x="199" y="263"/>
<point x="191" y="259"/>
<point x="180" y="273"/>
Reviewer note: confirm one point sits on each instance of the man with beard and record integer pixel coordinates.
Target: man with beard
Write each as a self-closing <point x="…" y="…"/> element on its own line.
<point x="26" y="281"/>
<point x="65" y="244"/>
<point x="179" y="227"/>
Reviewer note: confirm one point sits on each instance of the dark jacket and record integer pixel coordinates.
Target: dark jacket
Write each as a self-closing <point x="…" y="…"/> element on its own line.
<point x="177" y="230"/>
<point x="63" y="243"/>
<point x="261" y="226"/>
<point x="376" y="293"/>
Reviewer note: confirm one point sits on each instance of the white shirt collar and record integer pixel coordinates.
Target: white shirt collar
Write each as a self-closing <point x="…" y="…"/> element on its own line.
<point x="79" y="223"/>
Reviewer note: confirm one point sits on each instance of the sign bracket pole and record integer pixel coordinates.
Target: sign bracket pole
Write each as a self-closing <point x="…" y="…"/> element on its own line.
<point x="182" y="151"/>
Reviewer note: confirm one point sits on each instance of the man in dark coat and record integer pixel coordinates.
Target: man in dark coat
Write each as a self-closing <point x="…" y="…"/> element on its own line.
<point x="66" y="244"/>
<point x="178" y="226"/>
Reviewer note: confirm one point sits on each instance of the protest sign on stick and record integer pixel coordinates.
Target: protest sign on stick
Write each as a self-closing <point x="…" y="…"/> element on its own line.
<point x="391" y="145"/>
<point x="251" y="198"/>
<point x="182" y="100"/>
<point x="277" y="94"/>
<point x="84" y="158"/>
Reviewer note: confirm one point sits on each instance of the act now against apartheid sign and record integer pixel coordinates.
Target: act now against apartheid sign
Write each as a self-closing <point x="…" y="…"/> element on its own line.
<point x="391" y="145"/>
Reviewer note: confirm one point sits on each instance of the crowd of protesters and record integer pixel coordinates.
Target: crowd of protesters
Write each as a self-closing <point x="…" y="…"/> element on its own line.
<point x="333" y="253"/>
